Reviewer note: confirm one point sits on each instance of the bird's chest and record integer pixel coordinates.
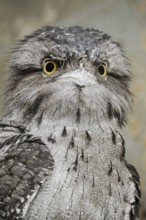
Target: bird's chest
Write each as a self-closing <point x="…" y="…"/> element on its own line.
<point x="81" y="182"/>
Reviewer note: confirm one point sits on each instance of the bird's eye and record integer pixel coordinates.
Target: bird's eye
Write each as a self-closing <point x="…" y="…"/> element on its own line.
<point x="50" y="67"/>
<point x="102" y="70"/>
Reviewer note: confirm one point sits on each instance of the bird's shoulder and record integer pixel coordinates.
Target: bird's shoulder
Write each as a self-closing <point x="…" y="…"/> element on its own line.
<point x="25" y="163"/>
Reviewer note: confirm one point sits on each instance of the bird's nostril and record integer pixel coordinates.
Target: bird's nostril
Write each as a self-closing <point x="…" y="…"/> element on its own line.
<point x="79" y="86"/>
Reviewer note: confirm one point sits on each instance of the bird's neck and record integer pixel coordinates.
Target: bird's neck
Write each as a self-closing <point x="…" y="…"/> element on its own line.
<point x="77" y="132"/>
<point x="84" y="121"/>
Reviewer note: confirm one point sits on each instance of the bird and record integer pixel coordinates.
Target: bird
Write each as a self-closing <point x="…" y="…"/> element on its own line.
<point x="62" y="152"/>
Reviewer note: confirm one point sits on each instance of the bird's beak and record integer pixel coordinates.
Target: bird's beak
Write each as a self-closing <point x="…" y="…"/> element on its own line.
<point x="80" y="76"/>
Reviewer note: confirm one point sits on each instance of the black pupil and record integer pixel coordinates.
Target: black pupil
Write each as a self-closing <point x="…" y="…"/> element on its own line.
<point x="50" y="67"/>
<point x="101" y="70"/>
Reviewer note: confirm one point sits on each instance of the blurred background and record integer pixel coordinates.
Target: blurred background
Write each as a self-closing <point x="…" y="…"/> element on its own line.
<point x="125" y="20"/>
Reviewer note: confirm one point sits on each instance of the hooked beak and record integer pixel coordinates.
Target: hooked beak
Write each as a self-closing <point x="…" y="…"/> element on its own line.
<point x="80" y="77"/>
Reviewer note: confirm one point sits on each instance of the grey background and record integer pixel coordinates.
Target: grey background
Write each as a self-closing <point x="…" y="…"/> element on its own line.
<point x="125" y="20"/>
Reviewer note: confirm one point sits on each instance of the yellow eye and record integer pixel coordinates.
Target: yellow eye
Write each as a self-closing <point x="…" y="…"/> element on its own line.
<point x="102" y="70"/>
<point x="50" y="67"/>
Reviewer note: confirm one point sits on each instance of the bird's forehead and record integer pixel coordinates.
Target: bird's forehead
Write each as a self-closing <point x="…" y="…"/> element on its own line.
<point x="71" y="41"/>
<point x="65" y="42"/>
<point x="73" y="36"/>
<point x="68" y="40"/>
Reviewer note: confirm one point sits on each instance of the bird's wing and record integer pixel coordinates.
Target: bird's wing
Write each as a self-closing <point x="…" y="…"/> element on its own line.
<point x="25" y="163"/>
<point x="135" y="206"/>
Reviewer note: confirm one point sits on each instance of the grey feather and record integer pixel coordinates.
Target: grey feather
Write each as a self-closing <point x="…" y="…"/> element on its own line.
<point x="25" y="162"/>
<point x="78" y="115"/>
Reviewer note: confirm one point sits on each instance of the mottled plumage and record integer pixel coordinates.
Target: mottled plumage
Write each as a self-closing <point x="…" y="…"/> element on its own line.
<point x="62" y="155"/>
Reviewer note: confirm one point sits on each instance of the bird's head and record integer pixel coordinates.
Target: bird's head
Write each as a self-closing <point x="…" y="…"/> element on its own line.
<point x="69" y="72"/>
